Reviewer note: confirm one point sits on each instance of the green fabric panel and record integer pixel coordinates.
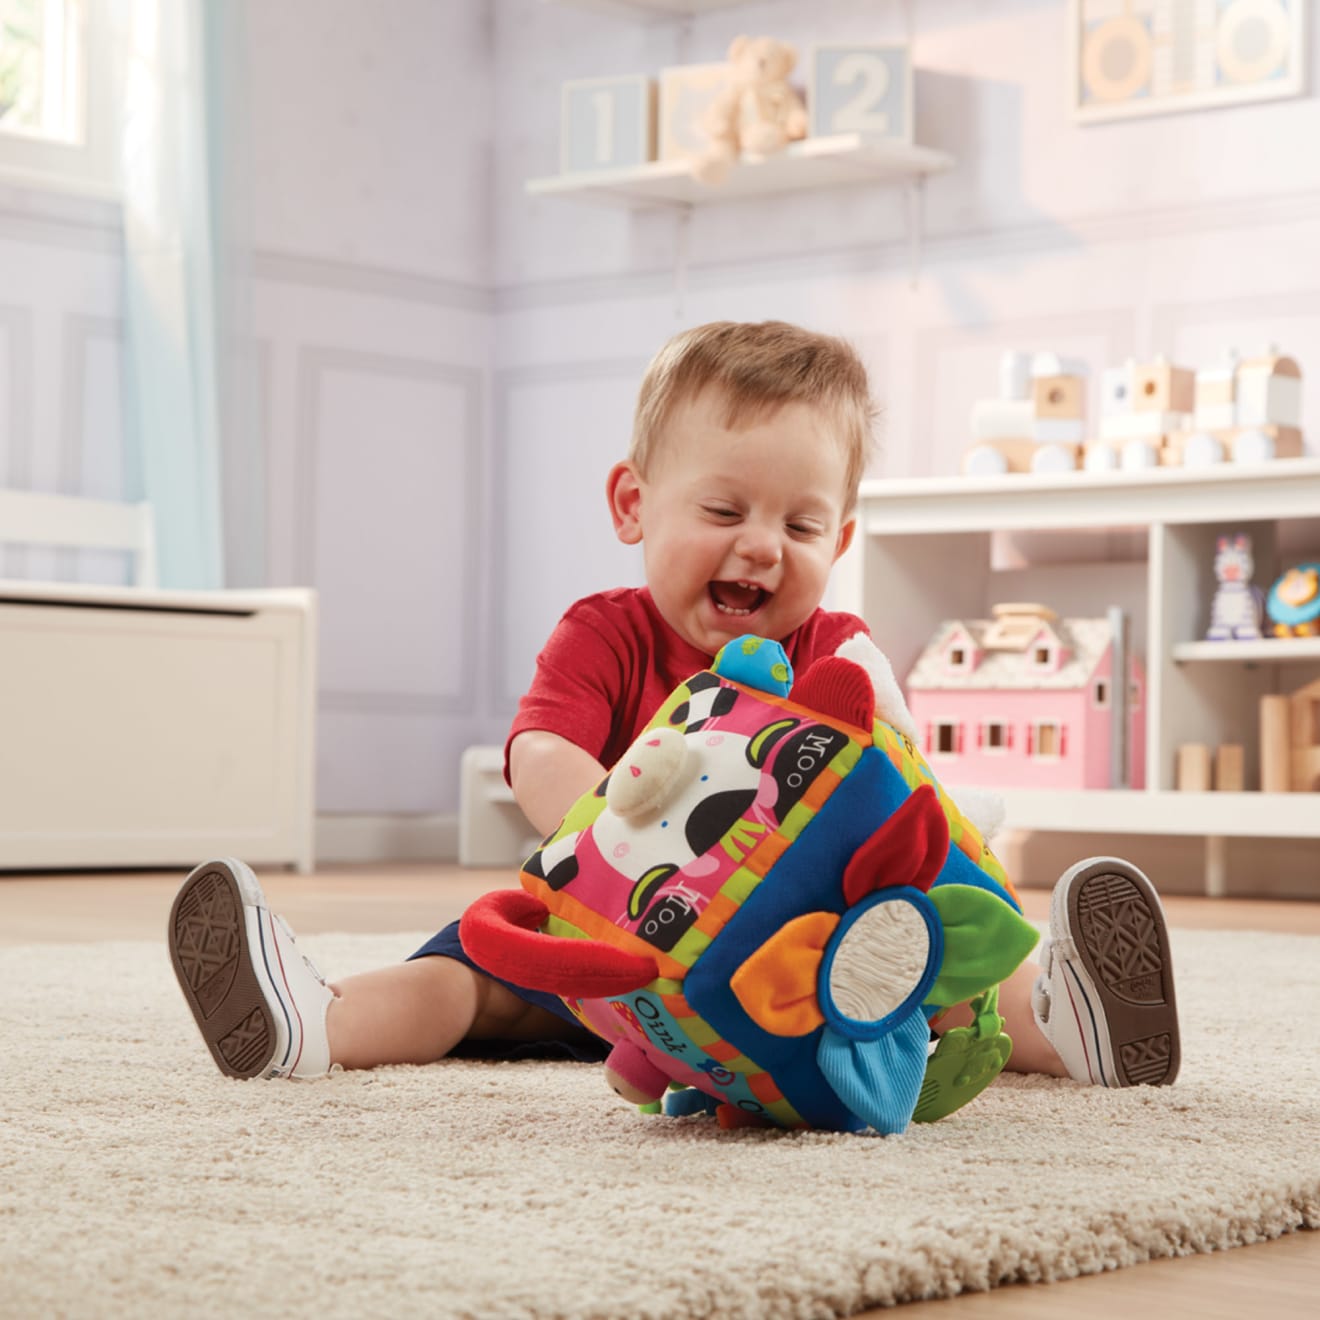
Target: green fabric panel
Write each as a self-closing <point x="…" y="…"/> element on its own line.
<point x="984" y="941"/>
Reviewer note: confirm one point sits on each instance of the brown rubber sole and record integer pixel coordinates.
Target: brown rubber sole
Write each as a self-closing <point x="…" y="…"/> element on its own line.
<point x="208" y="941"/>
<point x="1118" y="928"/>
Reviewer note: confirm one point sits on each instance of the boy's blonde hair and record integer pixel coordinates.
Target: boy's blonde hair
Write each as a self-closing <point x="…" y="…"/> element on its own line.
<point x="758" y="367"/>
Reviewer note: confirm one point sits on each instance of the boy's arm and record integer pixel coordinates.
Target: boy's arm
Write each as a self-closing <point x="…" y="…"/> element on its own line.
<point x="548" y="774"/>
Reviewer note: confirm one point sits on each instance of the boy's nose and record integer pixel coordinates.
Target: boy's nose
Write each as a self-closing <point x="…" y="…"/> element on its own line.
<point x="759" y="545"/>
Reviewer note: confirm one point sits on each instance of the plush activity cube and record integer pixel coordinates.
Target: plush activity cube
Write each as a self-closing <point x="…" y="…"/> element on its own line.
<point x="762" y="906"/>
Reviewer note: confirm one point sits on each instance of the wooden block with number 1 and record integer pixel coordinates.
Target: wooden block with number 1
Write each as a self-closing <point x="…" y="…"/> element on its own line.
<point x="607" y="124"/>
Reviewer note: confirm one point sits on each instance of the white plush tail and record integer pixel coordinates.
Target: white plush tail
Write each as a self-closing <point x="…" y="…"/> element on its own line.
<point x="889" y="703"/>
<point x="984" y="808"/>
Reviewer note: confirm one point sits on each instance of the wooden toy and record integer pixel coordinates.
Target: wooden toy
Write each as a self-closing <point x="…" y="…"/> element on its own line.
<point x="607" y="124"/>
<point x="1244" y="410"/>
<point x="1038" y="422"/>
<point x="1290" y="741"/>
<point x="1275" y="745"/>
<point x="687" y="91"/>
<point x="1192" y="768"/>
<point x="1247" y="410"/>
<point x="1293" y="603"/>
<point x="1230" y="768"/>
<point x="860" y="88"/>
<point x="1029" y="700"/>
<point x="763" y="904"/>
<point x="1141" y="405"/>
<point x="1235" y="611"/>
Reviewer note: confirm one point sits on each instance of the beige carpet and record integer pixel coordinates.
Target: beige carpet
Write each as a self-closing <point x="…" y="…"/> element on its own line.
<point x="136" y="1181"/>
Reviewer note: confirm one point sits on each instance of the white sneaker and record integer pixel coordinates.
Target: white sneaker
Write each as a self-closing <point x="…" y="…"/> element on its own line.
<point x="259" y="1003"/>
<point x="1104" y="998"/>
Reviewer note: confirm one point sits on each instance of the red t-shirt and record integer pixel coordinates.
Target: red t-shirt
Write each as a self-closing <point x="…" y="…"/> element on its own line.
<point x="612" y="660"/>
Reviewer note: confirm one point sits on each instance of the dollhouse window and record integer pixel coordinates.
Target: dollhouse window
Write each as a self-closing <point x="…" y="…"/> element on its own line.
<point x="948" y="738"/>
<point x="1134" y="696"/>
<point x="1100" y="693"/>
<point x="957" y="658"/>
<point x="1046" y="739"/>
<point x="994" y="737"/>
<point x="1042" y="657"/>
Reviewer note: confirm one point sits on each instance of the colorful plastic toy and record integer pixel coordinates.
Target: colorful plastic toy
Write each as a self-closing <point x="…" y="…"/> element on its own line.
<point x="762" y="906"/>
<point x="1294" y="602"/>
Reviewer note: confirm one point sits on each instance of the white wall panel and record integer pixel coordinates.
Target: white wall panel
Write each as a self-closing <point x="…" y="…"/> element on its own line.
<point x="560" y="430"/>
<point x="370" y="133"/>
<point x="390" y="486"/>
<point x="93" y="460"/>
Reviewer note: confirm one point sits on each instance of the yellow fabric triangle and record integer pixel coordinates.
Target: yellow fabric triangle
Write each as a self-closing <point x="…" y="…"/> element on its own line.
<point x="777" y="985"/>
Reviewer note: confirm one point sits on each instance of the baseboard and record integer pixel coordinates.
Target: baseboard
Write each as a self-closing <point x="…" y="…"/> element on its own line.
<point x="386" y="838"/>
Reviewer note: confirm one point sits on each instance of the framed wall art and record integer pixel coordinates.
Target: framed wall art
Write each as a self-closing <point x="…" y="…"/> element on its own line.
<point x="1146" y="57"/>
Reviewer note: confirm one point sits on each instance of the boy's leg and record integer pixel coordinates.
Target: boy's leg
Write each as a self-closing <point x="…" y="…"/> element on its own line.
<point x="1099" y="1007"/>
<point x="417" y="1011"/>
<point x="265" y="1011"/>
<point x="1104" y="998"/>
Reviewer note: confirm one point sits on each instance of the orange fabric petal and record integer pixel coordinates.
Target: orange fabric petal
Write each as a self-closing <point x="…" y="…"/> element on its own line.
<point x="777" y="985"/>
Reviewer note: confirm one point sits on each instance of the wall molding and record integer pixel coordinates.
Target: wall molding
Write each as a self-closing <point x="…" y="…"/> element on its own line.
<point x="17" y="323"/>
<point x="368" y="838"/>
<point x="1168" y="318"/>
<point x="314" y="363"/>
<point x="892" y="257"/>
<point x="506" y="381"/>
<point x="46" y="215"/>
<point x="369" y="281"/>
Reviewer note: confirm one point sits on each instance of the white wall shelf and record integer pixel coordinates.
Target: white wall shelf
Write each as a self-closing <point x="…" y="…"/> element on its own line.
<point x="823" y="162"/>
<point x="1269" y="650"/>
<point x="927" y="553"/>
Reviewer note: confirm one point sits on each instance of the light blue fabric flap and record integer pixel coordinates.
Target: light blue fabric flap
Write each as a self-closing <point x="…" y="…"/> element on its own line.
<point x="879" y="1080"/>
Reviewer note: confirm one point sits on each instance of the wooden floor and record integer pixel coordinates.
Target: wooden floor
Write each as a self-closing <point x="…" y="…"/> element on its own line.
<point x="1278" y="1279"/>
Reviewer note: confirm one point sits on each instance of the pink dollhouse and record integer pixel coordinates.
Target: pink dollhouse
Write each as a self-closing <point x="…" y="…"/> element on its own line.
<point x="1027" y="700"/>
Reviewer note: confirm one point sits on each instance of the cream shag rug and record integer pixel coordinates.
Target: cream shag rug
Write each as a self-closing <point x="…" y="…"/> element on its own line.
<point x="135" y="1180"/>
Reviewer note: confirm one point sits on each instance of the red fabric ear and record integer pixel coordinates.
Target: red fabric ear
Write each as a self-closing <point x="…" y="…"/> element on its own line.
<point x="908" y="849"/>
<point x="838" y="689"/>
<point x="499" y="932"/>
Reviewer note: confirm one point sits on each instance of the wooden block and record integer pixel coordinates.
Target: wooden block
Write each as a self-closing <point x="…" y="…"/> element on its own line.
<point x="1230" y="768"/>
<point x="1059" y="397"/>
<point x="607" y="124"/>
<point x="1275" y="745"/>
<point x="1192" y="772"/>
<point x="860" y="88"/>
<point x="687" y="92"/>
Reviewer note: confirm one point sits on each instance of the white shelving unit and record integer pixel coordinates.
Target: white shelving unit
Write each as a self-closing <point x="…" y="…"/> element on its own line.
<point x="941" y="548"/>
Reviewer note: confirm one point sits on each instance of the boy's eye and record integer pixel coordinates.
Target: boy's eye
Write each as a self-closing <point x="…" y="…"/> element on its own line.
<point x="805" y="529"/>
<point x="719" y="511"/>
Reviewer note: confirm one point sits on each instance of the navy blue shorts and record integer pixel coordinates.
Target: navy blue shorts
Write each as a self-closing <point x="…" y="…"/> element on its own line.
<point x="581" y="1044"/>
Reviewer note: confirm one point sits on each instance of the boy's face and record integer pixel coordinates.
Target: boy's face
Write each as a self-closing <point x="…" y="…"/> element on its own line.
<point x="739" y="528"/>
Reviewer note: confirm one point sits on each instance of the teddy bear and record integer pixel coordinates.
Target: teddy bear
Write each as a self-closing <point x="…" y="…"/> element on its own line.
<point x="756" y="112"/>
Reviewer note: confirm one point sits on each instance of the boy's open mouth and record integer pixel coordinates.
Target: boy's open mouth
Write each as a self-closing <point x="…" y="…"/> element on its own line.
<point x="737" y="598"/>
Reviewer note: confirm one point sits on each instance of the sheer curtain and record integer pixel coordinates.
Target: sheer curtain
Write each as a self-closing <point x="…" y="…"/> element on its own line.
<point x="185" y="402"/>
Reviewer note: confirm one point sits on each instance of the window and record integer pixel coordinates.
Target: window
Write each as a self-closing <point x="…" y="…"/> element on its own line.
<point x="1100" y="693"/>
<point x="994" y="737"/>
<point x="57" y="108"/>
<point x="948" y="738"/>
<point x="41" y="69"/>
<point x="1042" y="656"/>
<point x="1047" y="738"/>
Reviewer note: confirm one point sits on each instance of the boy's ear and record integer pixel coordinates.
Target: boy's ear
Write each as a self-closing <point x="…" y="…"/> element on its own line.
<point x="623" y="490"/>
<point x="845" y="538"/>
